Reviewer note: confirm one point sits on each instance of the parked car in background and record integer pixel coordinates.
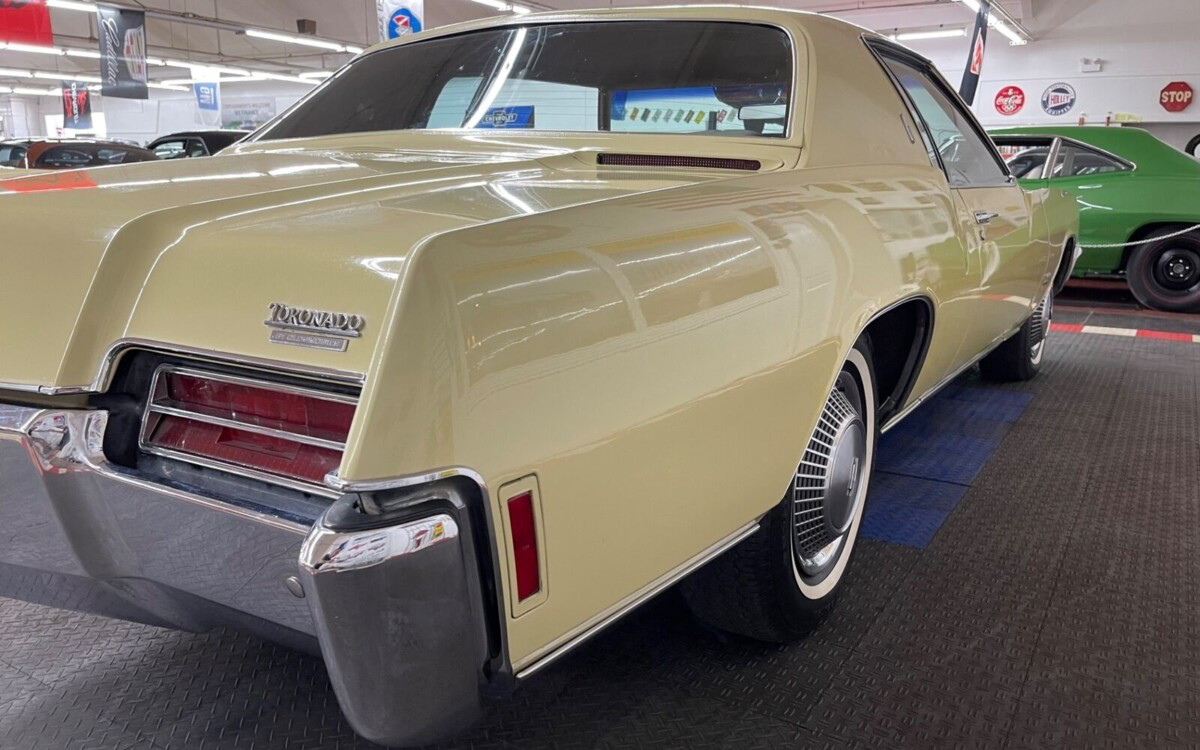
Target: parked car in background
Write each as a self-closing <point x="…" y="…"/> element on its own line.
<point x="195" y="143"/>
<point x="447" y="371"/>
<point x="69" y="154"/>
<point x="1139" y="204"/>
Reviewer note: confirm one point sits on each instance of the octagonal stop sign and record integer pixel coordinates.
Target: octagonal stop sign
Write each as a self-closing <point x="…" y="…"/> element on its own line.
<point x="1176" y="96"/>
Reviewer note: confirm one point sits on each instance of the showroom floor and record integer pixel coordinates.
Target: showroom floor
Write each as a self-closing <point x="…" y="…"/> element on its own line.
<point x="1028" y="580"/>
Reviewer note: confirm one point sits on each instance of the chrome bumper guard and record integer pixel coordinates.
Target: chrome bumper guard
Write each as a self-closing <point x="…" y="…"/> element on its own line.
<point x="394" y="599"/>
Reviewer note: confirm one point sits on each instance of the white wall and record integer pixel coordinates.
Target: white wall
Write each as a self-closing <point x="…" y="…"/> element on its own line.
<point x="163" y="113"/>
<point x="1144" y="45"/>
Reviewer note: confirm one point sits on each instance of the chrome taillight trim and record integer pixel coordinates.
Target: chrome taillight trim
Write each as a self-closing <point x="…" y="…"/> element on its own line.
<point x="158" y="404"/>
<point x="199" y="416"/>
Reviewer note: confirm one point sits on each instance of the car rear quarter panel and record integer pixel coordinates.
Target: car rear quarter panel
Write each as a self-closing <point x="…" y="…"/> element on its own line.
<point x="658" y="361"/>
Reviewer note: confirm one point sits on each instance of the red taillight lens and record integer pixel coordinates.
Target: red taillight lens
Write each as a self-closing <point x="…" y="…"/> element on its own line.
<point x="524" y="543"/>
<point x="275" y="429"/>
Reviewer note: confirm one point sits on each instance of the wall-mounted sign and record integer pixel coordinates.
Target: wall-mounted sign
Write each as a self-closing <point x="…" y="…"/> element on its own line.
<point x="1176" y="96"/>
<point x="1010" y="100"/>
<point x="399" y="18"/>
<point x="246" y="114"/>
<point x="1058" y="99"/>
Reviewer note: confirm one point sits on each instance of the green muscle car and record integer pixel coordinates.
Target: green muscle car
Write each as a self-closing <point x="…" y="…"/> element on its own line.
<point x="1139" y="204"/>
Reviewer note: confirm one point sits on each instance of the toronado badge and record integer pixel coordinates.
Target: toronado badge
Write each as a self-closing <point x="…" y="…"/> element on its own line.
<point x="315" y="329"/>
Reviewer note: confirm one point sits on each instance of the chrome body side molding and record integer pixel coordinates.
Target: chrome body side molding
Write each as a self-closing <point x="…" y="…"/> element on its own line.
<point x="563" y="645"/>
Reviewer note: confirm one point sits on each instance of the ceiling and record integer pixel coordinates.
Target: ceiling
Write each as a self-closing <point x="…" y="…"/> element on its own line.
<point x="353" y="22"/>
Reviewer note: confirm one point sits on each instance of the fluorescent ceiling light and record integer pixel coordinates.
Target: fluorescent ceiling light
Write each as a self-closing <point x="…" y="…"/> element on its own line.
<point x="71" y="5"/>
<point x="56" y="76"/>
<point x="293" y="39"/>
<point x="316" y="75"/>
<point x="205" y="66"/>
<point x="1014" y="37"/>
<point x="90" y="54"/>
<point x="12" y="73"/>
<point x="502" y="6"/>
<point x="34" y="48"/>
<point x="354" y="50"/>
<point x="281" y="77"/>
<point x="908" y="36"/>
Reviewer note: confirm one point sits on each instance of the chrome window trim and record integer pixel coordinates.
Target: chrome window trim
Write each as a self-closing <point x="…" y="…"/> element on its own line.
<point x="1097" y="150"/>
<point x="566" y="17"/>
<point x="881" y="47"/>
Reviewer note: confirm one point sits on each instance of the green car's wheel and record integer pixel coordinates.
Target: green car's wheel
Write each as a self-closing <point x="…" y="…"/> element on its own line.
<point x="779" y="584"/>
<point x="1165" y="274"/>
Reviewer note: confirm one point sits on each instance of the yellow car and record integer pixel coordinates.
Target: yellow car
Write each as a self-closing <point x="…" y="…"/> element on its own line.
<point x="501" y="331"/>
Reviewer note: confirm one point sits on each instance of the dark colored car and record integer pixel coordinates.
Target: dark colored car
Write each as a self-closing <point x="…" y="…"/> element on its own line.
<point x="72" y="154"/>
<point x="196" y="143"/>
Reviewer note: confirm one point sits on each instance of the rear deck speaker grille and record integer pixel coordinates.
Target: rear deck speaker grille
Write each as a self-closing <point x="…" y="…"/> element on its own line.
<point x="687" y="162"/>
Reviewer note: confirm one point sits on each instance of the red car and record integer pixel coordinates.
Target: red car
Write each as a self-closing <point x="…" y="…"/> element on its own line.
<point x="72" y="154"/>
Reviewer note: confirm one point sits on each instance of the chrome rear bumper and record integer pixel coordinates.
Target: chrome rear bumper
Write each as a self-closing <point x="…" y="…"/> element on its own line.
<point x="394" y="601"/>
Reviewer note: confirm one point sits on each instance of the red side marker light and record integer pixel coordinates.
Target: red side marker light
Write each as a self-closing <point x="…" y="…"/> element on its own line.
<point x="524" y="545"/>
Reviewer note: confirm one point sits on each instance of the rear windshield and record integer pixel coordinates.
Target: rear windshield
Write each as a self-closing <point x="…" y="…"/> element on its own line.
<point x="687" y="77"/>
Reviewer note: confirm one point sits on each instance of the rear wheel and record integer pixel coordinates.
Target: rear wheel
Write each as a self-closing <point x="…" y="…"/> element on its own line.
<point x="1020" y="356"/>
<point x="1165" y="275"/>
<point x="780" y="583"/>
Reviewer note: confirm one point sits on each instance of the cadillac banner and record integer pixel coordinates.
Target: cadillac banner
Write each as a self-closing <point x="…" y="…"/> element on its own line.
<point x="970" y="81"/>
<point x="122" y="52"/>
<point x="400" y="17"/>
<point x="77" y="106"/>
<point x="25" y="22"/>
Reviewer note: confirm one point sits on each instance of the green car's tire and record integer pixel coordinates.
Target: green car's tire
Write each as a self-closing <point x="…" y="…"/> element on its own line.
<point x="1020" y="356"/>
<point x="1165" y="274"/>
<point x="777" y="585"/>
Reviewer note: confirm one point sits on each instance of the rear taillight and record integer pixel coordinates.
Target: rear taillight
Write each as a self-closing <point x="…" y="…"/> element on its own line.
<point x="251" y="427"/>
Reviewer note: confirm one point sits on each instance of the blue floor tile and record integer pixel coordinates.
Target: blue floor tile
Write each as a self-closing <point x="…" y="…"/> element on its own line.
<point x="906" y="510"/>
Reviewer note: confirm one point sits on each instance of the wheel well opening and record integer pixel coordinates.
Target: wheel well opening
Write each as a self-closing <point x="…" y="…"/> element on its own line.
<point x="1065" y="264"/>
<point x="899" y="339"/>
<point x="1144" y="232"/>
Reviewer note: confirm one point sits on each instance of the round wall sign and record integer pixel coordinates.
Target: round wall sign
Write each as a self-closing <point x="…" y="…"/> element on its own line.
<point x="1058" y="99"/>
<point x="1010" y="100"/>
<point x="1176" y="96"/>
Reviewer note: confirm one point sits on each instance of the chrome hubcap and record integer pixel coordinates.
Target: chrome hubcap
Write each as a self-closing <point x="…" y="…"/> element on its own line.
<point x="827" y="491"/>
<point x="1039" y="327"/>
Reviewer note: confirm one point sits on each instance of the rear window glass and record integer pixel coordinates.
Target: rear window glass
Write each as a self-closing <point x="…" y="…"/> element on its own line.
<point x="686" y="77"/>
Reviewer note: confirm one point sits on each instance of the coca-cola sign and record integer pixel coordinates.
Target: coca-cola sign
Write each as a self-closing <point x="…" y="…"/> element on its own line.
<point x="1010" y="100"/>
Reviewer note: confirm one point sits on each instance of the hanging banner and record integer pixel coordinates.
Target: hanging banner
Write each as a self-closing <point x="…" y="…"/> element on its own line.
<point x="399" y="18"/>
<point x="970" y="81"/>
<point x="207" y="88"/>
<point x="122" y="52"/>
<point x="26" y="22"/>
<point x="77" y="106"/>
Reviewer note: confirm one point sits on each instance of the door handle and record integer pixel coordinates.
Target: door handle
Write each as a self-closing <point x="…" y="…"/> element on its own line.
<point x="985" y="217"/>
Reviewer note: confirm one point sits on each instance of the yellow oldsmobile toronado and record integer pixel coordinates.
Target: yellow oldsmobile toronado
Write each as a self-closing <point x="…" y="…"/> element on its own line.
<point x="503" y="329"/>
